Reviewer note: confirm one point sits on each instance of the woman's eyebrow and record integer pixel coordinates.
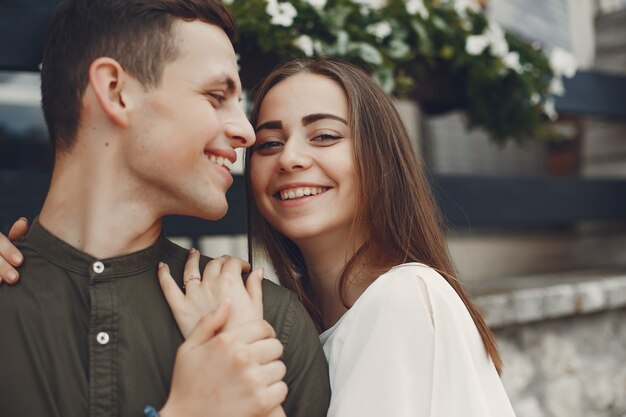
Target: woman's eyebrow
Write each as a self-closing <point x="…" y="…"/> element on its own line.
<point x="307" y="120"/>
<point x="272" y="124"/>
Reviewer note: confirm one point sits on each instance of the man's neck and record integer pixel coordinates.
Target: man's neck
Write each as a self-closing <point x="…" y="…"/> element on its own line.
<point x="92" y="208"/>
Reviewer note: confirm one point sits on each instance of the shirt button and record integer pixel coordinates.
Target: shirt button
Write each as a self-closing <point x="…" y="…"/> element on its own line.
<point x="103" y="338"/>
<point x="98" y="267"/>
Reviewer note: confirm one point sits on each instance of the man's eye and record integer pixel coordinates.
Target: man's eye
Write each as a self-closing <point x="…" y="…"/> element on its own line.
<point x="216" y="98"/>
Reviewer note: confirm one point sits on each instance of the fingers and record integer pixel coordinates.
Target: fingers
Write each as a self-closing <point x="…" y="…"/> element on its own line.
<point x="9" y="252"/>
<point x="276" y="394"/>
<point x="10" y="258"/>
<point x="209" y="325"/>
<point x="272" y="372"/>
<point x="191" y="273"/>
<point x="277" y="412"/>
<point x="245" y="267"/>
<point x="235" y="266"/>
<point x="224" y="274"/>
<point x="266" y="350"/>
<point x="7" y="272"/>
<point x="253" y="331"/>
<point x="254" y="286"/>
<point x="172" y="292"/>
<point x="19" y="229"/>
<point x="225" y="265"/>
<point x="213" y="269"/>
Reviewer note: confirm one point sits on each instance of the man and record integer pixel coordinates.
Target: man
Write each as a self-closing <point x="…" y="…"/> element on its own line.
<point x="141" y="102"/>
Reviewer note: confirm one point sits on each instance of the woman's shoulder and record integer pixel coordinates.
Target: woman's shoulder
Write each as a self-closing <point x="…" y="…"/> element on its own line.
<point x="401" y="279"/>
<point x="406" y="286"/>
<point x="398" y="289"/>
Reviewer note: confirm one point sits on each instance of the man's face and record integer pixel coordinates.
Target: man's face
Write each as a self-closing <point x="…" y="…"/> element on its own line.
<point x="183" y="133"/>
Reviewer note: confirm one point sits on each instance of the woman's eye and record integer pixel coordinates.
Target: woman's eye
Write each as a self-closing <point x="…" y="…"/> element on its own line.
<point x="325" y="137"/>
<point x="268" y="146"/>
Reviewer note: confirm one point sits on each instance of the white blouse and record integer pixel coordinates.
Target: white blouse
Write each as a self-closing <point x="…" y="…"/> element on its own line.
<point x="409" y="347"/>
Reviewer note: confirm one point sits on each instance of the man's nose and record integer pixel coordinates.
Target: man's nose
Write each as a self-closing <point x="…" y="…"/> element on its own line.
<point x="239" y="131"/>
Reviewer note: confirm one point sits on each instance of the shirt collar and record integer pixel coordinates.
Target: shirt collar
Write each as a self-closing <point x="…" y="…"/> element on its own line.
<point x="67" y="257"/>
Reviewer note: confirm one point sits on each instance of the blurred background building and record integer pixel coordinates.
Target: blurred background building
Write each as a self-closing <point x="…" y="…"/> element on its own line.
<point x="537" y="231"/>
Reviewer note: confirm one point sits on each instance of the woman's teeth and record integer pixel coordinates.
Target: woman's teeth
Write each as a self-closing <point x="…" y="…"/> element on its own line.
<point x="221" y="161"/>
<point x="295" y="193"/>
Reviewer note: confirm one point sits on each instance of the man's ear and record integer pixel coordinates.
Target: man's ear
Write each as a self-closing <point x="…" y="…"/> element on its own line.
<point x="108" y="81"/>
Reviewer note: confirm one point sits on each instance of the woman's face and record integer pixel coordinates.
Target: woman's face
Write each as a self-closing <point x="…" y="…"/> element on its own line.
<point x="302" y="165"/>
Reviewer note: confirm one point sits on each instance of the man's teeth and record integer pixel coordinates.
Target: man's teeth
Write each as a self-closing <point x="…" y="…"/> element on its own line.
<point x="221" y="161"/>
<point x="294" y="193"/>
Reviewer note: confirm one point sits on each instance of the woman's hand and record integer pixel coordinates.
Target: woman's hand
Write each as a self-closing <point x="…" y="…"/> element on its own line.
<point x="10" y="256"/>
<point x="234" y="372"/>
<point x="221" y="280"/>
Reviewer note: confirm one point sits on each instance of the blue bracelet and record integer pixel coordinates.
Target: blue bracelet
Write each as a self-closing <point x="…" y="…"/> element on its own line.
<point x="150" y="411"/>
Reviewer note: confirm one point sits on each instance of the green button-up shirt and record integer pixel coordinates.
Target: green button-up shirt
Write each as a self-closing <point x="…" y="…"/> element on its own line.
<point x="81" y="336"/>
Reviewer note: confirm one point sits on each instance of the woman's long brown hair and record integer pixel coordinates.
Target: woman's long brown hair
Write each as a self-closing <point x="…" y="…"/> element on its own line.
<point x="400" y="217"/>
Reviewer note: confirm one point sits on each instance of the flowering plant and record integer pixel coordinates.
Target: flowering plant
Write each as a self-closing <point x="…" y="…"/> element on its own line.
<point x="504" y="84"/>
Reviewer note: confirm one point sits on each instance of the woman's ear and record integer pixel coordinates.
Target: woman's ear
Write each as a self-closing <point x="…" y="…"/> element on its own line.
<point x="108" y="81"/>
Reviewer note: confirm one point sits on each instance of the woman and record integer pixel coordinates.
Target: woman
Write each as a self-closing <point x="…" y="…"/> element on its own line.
<point x="340" y="206"/>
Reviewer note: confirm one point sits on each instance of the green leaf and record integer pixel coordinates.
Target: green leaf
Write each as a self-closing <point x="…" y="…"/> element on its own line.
<point x="398" y="49"/>
<point x="343" y="40"/>
<point x="384" y="77"/>
<point x="367" y="52"/>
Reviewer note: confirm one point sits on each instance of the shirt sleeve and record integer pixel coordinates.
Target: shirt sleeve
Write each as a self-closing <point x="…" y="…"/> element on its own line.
<point x="413" y="350"/>
<point x="307" y="369"/>
<point x="385" y="364"/>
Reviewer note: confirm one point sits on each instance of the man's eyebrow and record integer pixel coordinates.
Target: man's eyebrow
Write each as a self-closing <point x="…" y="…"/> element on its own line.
<point x="311" y="118"/>
<point x="227" y="82"/>
<point x="272" y="124"/>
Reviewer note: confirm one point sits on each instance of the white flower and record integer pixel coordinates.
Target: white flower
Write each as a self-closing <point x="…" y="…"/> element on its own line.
<point x="497" y="42"/>
<point x="511" y="61"/>
<point x="228" y="2"/>
<point x="556" y="86"/>
<point x="549" y="110"/>
<point x="381" y="30"/>
<point x="535" y="98"/>
<point x="371" y="4"/>
<point x="318" y="47"/>
<point x="563" y="63"/>
<point x="417" y="7"/>
<point x="494" y="38"/>
<point x="476" y="44"/>
<point x="305" y="44"/>
<point x="317" y="4"/>
<point x="462" y="6"/>
<point x="282" y="13"/>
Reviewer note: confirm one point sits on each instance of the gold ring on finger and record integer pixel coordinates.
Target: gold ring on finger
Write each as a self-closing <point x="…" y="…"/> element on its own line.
<point x="191" y="278"/>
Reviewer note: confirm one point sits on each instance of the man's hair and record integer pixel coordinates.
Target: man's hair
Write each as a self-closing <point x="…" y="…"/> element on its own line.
<point x="136" y="33"/>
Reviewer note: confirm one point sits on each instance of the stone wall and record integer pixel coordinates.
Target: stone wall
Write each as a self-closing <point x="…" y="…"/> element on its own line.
<point x="562" y="338"/>
<point x="571" y="367"/>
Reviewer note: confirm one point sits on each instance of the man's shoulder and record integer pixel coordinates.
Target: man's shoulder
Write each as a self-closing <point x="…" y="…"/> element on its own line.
<point x="176" y="256"/>
<point x="23" y="244"/>
<point x="277" y="294"/>
<point x="278" y="302"/>
<point x="177" y="253"/>
<point x="36" y="263"/>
